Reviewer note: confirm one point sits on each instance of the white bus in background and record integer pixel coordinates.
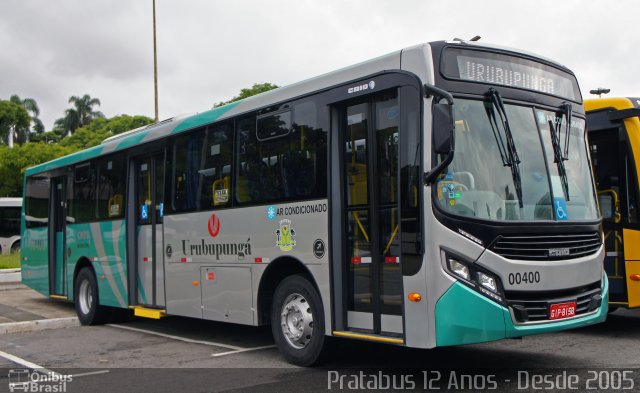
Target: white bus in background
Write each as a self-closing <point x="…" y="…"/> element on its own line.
<point x="10" y="209"/>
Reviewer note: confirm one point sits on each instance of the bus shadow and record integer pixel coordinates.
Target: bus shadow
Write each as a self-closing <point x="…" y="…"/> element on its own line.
<point x="198" y="329"/>
<point x="621" y="323"/>
<point x="351" y="354"/>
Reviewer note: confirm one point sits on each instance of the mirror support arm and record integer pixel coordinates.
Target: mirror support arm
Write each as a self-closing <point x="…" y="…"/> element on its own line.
<point x="439" y="94"/>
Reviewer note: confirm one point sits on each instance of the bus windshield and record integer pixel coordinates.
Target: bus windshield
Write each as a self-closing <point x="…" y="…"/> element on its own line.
<point x="480" y="181"/>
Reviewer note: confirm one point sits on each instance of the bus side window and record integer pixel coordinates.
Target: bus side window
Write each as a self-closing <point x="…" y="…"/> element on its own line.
<point x="83" y="197"/>
<point x="37" y="202"/>
<point x="187" y="160"/>
<point x="216" y="172"/>
<point x="111" y="175"/>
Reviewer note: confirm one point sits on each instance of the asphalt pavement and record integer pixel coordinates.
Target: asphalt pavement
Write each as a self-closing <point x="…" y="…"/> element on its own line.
<point x="175" y="354"/>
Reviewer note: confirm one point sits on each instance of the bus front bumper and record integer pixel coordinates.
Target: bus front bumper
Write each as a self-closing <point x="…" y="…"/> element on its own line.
<point x="464" y="316"/>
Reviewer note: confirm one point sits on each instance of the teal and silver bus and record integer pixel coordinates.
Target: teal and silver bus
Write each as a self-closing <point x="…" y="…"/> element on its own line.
<point x="438" y="195"/>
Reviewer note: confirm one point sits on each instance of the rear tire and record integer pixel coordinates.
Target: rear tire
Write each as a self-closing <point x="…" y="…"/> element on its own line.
<point x="297" y="322"/>
<point x="86" y="298"/>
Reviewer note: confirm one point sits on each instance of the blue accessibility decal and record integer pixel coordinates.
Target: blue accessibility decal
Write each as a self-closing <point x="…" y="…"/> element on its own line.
<point x="560" y="207"/>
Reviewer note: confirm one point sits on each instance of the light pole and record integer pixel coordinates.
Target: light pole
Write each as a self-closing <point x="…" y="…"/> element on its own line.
<point x="599" y="91"/>
<point x="155" y="61"/>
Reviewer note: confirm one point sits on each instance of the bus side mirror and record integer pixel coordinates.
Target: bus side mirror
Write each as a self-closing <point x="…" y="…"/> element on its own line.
<point x="443" y="128"/>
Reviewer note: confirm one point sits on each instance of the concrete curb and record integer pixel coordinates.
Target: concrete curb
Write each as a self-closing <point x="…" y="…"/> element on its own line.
<point x="7" y="286"/>
<point x="9" y="271"/>
<point x="42" y="324"/>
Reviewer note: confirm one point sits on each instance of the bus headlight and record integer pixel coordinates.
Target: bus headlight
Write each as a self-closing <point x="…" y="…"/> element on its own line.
<point x="488" y="282"/>
<point x="459" y="269"/>
<point x="475" y="277"/>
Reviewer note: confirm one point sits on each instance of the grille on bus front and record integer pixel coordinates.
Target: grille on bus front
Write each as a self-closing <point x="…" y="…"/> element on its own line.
<point x="547" y="247"/>
<point x="531" y="306"/>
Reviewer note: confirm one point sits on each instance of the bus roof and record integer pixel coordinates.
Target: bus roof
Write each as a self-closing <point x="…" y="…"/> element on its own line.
<point x="10" y="202"/>
<point x="619" y="103"/>
<point x="178" y="124"/>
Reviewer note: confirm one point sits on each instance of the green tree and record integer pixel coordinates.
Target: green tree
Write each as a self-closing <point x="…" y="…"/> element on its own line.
<point x="257" y="88"/>
<point x="13" y="117"/>
<point x="14" y="162"/>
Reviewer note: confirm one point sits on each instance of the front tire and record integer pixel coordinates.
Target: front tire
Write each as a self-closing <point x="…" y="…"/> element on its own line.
<point x="86" y="298"/>
<point x="297" y="322"/>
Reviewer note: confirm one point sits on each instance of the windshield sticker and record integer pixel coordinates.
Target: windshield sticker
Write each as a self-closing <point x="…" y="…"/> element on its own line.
<point x="560" y="207"/>
<point x="221" y="197"/>
<point x="449" y="176"/>
<point x="457" y="195"/>
<point x="284" y="236"/>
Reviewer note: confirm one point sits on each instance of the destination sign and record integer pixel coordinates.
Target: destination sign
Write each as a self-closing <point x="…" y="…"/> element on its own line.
<point x="505" y="70"/>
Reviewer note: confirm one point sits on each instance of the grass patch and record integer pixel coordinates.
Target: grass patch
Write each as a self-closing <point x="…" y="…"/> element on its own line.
<point x="11" y="261"/>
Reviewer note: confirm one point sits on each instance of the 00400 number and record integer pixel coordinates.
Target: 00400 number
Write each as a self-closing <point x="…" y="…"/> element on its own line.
<point x="524" y="278"/>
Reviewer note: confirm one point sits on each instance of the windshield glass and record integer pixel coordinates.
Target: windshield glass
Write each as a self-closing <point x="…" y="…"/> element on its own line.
<point x="478" y="183"/>
<point x="581" y="201"/>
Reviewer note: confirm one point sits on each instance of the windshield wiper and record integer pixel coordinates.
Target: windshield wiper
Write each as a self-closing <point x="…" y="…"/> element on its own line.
<point x="506" y="147"/>
<point x="561" y="154"/>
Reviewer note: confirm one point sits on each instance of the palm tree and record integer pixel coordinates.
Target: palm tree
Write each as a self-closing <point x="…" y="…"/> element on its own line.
<point x="69" y="123"/>
<point x="35" y="124"/>
<point x="84" y="108"/>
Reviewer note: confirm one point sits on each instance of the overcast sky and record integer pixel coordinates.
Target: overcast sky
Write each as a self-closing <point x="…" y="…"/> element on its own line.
<point x="208" y="50"/>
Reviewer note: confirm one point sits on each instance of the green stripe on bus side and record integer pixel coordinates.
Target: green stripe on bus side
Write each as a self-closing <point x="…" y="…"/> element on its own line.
<point x="66" y="160"/>
<point x="132" y="140"/>
<point x="204" y="118"/>
<point x="96" y="241"/>
<point x="35" y="269"/>
<point x="113" y="238"/>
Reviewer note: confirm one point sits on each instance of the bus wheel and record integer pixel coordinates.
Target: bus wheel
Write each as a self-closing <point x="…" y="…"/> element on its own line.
<point x="297" y="322"/>
<point x="86" y="296"/>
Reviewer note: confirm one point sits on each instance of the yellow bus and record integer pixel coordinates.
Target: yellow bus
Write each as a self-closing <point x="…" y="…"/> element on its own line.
<point x="614" y="138"/>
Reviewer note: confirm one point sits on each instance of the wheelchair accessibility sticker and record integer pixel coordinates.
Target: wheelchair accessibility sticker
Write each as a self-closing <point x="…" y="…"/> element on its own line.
<point x="560" y="207"/>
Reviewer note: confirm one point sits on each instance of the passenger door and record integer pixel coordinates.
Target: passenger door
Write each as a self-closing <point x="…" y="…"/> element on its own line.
<point x="149" y="184"/>
<point x="369" y="135"/>
<point x="57" y="238"/>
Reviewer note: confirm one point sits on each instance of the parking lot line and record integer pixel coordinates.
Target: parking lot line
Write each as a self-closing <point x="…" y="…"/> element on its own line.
<point x="27" y="364"/>
<point x="215" y="355"/>
<point x="184" y="339"/>
<point x="90" y="373"/>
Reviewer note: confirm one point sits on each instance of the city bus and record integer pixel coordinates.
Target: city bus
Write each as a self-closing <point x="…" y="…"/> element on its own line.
<point x="10" y="225"/>
<point x="614" y="139"/>
<point x="412" y="199"/>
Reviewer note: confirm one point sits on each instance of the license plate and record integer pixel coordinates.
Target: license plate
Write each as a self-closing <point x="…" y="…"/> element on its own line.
<point x="562" y="310"/>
